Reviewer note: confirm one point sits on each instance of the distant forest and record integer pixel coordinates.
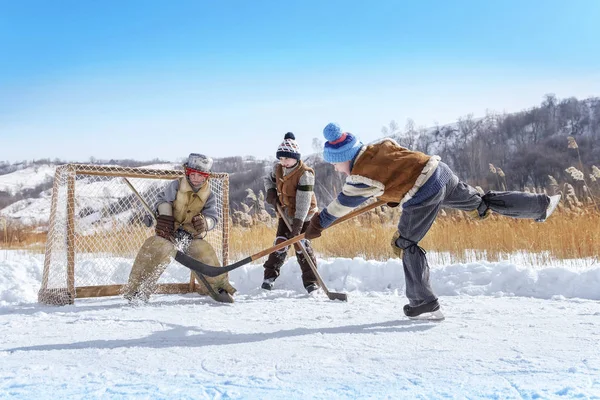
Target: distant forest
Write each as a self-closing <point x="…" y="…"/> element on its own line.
<point x="528" y="146"/>
<point x="525" y="149"/>
<point x="496" y="152"/>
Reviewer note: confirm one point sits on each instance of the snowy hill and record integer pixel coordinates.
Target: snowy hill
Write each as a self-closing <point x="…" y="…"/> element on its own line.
<point x="30" y="211"/>
<point x="511" y="332"/>
<point x="36" y="211"/>
<point x="244" y="173"/>
<point x="27" y="178"/>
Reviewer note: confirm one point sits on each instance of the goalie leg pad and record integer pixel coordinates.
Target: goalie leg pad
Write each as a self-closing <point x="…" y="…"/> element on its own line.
<point x="151" y="261"/>
<point x="202" y="251"/>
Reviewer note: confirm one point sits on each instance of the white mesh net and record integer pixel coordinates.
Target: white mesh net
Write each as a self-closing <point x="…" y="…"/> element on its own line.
<point x="98" y="223"/>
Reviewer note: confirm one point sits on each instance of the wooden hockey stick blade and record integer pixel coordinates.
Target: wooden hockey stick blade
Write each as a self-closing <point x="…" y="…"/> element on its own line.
<point x="221" y="297"/>
<point x="212" y="271"/>
<point x="337" y="296"/>
<point x="299" y="245"/>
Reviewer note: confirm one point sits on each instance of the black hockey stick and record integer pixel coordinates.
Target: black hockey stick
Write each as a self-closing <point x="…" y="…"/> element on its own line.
<point x="300" y="246"/>
<point x="209" y="270"/>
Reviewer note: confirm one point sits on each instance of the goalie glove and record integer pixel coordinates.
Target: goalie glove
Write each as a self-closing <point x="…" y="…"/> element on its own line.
<point x="165" y="227"/>
<point x="200" y="224"/>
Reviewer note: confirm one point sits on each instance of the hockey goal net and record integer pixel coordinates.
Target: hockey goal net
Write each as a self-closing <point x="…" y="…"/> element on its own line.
<point x="98" y="222"/>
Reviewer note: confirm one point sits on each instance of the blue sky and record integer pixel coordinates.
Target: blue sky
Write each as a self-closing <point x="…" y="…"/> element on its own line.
<point x="159" y="79"/>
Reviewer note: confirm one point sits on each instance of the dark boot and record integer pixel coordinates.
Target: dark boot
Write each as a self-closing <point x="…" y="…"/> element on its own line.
<point x="308" y="276"/>
<point x="312" y="287"/>
<point x="276" y="259"/>
<point x="268" y="284"/>
<point x="426" y="311"/>
<point x="272" y="267"/>
<point x="415" y="311"/>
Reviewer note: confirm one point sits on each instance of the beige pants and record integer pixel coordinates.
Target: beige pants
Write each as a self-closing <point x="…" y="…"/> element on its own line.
<point x="153" y="258"/>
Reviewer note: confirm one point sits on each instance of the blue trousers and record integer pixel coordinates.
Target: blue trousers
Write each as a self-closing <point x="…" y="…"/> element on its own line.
<point x="416" y="220"/>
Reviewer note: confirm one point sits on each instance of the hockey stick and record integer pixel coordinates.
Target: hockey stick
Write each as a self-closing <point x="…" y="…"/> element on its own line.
<point x="300" y="246"/>
<point x="220" y="297"/>
<point x="141" y="199"/>
<point x="209" y="270"/>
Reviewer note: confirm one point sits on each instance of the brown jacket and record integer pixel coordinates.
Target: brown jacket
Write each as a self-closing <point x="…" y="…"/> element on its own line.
<point x="399" y="172"/>
<point x="188" y="204"/>
<point x="384" y="170"/>
<point x="288" y="185"/>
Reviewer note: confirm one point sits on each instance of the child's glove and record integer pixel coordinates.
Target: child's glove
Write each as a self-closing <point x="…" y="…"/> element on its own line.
<point x="296" y="227"/>
<point x="272" y="197"/>
<point x="314" y="228"/>
<point x="200" y="225"/>
<point x="165" y="227"/>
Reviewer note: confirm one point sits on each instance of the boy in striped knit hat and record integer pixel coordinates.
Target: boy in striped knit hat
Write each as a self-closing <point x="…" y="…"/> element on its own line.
<point x="290" y="184"/>
<point x="422" y="184"/>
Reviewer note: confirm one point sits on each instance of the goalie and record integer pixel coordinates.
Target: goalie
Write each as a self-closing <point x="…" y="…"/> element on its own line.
<point x="186" y="212"/>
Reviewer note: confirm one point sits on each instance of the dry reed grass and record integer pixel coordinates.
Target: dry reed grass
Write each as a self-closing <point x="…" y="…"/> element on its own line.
<point x="566" y="235"/>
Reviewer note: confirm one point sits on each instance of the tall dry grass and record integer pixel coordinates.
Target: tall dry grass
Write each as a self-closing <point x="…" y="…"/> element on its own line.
<point x="566" y="235"/>
<point x="563" y="236"/>
<point x="17" y="236"/>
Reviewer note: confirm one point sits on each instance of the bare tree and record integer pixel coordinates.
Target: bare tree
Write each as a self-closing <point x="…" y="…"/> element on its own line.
<point x="390" y="130"/>
<point x="317" y="145"/>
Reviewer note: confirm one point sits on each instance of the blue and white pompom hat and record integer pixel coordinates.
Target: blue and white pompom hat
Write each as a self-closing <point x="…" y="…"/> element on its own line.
<point x="340" y="146"/>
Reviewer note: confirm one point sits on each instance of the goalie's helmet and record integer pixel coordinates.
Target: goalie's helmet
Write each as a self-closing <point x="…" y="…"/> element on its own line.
<point x="198" y="163"/>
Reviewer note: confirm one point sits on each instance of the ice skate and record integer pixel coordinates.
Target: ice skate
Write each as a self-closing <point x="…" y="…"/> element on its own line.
<point x="428" y="311"/>
<point x="268" y="284"/>
<point x="554" y="200"/>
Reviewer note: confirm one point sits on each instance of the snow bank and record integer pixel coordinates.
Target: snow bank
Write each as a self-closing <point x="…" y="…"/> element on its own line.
<point x="20" y="277"/>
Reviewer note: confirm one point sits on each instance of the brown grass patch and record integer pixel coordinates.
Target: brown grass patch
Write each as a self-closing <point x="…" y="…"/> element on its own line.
<point x="564" y="236"/>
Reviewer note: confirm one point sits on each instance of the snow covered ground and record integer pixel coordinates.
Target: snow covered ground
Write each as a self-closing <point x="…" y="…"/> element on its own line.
<point x="511" y="331"/>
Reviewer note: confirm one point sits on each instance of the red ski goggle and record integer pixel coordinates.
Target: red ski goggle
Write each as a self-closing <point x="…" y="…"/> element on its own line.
<point x="188" y="171"/>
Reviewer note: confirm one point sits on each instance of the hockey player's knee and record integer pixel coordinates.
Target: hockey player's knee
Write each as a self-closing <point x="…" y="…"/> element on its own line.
<point x="483" y="209"/>
<point x="401" y="244"/>
<point x="278" y="240"/>
<point x="479" y="213"/>
<point x="397" y="250"/>
<point x="275" y="260"/>
<point x="157" y="248"/>
<point x="202" y="251"/>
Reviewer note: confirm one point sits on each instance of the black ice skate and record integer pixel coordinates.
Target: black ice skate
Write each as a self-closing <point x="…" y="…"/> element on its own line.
<point x="312" y="287"/>
<point x="427" y="311"/>
<point x="268" y="284"/>
<point x="554" y="200"/>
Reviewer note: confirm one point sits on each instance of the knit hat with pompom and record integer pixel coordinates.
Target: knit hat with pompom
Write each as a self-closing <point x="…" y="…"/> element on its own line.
<point x="289" y="147"/>
<point x="340" y="146"/>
